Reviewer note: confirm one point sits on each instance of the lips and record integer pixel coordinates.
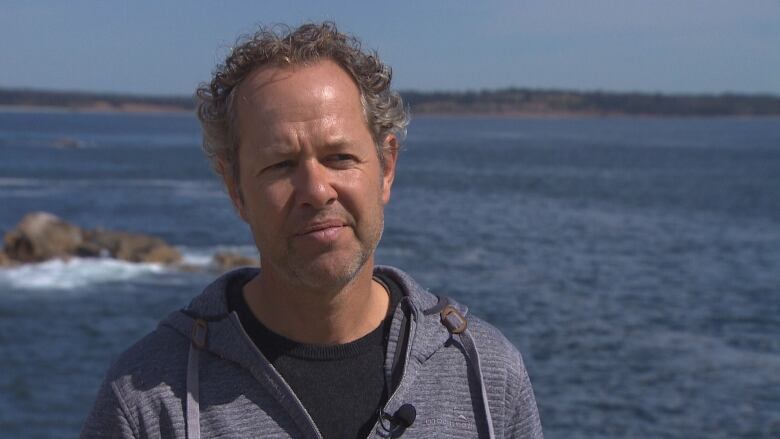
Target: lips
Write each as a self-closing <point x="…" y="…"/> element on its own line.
<point x="320" y="227"/>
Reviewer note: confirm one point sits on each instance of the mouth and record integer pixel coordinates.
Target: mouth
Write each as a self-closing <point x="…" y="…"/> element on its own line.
<point x="320" y="228"/>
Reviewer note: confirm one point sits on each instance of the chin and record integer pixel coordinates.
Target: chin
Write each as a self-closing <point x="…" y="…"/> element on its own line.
<point x="328" y="272"/>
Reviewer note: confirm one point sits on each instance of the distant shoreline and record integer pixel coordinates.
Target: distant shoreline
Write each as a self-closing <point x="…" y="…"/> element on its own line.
<point x="93" y="110"/>
<point x="509" y="103"/>
<point x="415" y="113"/>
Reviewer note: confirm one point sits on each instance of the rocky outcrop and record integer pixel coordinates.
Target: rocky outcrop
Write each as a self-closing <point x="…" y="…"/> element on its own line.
<point x="5" y="261"/>
<point x="67" y="142"/>
<point x="225" y="260"/>
<point x="132" y="247"/>
<point x="41" y="236"/>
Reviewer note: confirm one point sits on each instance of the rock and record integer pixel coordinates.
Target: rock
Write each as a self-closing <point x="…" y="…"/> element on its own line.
<point x="5" y="261"/>
<point x="41" y="236"/>
<point x="132" y="247"/>
<point x="225" y="260"/>
<point x="67" y="142"/>
<point x="89" y="249"/>
<point x="163" y="254"/>
<point x="189" y="268"/>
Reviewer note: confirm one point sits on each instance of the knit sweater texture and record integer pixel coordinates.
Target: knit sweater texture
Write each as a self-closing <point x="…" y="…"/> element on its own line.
<point x="241" y="395"/>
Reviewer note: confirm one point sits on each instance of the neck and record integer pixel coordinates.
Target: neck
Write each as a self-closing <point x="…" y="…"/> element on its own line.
<point x="315" y="316"/>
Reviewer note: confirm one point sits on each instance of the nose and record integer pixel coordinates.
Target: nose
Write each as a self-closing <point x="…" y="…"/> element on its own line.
<point x="313" y="185"/>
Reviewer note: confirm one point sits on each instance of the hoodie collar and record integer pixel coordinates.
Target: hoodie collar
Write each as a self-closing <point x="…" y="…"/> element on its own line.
<point x="227" y="339"/>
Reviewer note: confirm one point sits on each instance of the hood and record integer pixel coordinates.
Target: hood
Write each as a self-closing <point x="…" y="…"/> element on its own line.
<point x="226" y="338"/>
<point x="220" y="333"/>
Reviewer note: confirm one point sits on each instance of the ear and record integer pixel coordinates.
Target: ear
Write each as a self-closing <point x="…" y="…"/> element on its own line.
<point x="390" y="151"/>
<point x="234" y="191"/>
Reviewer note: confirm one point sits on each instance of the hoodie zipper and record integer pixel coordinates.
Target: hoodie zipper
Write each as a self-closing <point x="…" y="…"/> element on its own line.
<point x="287" y="388"/>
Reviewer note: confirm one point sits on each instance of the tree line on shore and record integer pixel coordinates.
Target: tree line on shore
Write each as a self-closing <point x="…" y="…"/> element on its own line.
<point x="92" y="101"/>
<point x="509" y="101"/>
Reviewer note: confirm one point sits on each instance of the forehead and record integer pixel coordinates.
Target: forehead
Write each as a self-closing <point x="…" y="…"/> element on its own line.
<point x="298" y="93"/>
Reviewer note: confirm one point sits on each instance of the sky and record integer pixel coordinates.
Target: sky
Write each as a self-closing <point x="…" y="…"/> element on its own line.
<point x="164" y="47"/>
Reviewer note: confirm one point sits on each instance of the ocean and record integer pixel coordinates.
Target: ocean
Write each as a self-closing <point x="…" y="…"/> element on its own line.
<point x="635" y="262"/>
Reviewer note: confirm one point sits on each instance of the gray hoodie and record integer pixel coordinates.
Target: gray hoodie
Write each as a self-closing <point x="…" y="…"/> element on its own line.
<point x="199" y="374"/>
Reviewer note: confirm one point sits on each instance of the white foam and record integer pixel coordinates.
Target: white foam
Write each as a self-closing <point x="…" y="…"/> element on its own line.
<point x="81" y="272"/>
<point x="74" y="273"/>
<point x="197" y="257"/>
<point x="203" y="256"/>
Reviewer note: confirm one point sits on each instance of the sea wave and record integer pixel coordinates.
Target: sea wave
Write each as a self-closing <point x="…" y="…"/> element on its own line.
<point x="73" y="273"/>
<point x="76" y="273"/>
<point x="202" y="256"/>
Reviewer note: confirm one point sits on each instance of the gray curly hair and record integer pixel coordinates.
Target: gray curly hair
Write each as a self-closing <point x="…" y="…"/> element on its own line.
<point x="279" y="45"/>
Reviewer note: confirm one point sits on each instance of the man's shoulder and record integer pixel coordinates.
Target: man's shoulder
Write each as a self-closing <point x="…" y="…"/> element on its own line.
<point x="502" y="370"/>
<point x="488" y="339"/>
<point x="506" y="379"/>
<point x="144" y="381"/>
<point x="165" y="348"/>
<point x="493" y="344"/>
<point x="156" y="357"/>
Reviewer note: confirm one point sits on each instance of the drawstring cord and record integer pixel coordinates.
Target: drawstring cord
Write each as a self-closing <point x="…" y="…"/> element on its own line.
<point x="457" y="324"/>
<point x="199" y="330"/>
<point x="451" y="318"/>
<point x="471" y="352"/>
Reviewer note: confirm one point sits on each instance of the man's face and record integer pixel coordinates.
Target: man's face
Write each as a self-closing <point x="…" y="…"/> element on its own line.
<point x="313" y="190"/>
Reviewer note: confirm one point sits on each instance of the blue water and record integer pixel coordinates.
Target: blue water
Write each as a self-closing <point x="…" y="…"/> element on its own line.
<point x="635" y="262"/>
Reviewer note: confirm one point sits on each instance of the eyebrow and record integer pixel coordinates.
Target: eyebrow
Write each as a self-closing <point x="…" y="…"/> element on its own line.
<point x="280" y="150"/>
<point x="338" y="143"/>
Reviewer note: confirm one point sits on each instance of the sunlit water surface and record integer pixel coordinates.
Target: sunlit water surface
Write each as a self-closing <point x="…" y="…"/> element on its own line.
<point x="635" y="262"/>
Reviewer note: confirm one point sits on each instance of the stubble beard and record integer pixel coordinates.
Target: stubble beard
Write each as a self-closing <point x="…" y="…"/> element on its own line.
<point x="314" y="277"/>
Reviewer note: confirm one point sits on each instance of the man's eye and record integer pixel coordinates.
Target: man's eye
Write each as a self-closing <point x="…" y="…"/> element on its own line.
<point x="342" y="158"/>
<point x="282" y="165"/>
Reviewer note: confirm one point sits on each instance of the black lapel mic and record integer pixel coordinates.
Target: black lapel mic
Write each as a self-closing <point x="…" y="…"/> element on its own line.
<point x="405" y="415"/>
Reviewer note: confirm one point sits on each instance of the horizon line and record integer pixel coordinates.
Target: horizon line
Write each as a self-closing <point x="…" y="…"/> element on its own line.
<point x="419" y="91"/>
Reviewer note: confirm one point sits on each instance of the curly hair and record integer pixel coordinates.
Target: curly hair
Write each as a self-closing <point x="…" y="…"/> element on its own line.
<point x="279" y="45"/>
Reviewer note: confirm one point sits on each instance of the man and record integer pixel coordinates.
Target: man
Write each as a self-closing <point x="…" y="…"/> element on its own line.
<point x="305" y="132"/>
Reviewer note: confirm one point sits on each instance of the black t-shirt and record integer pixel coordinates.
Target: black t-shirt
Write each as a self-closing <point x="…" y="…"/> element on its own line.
<point x="341" y="386"/>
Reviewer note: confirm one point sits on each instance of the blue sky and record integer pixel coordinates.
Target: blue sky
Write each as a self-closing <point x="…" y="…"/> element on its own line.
<point x="168" y="47"/>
